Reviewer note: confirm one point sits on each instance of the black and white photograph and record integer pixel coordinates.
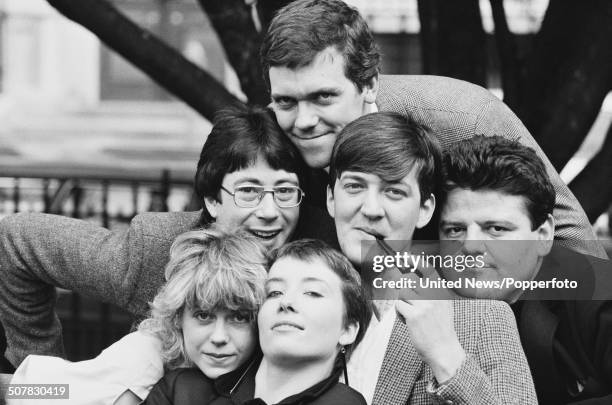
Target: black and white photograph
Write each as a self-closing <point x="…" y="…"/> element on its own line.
<point x="291" y="202"/>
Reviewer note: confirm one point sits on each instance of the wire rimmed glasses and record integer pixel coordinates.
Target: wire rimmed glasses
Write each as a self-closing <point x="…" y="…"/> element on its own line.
<point x="251" y="196"/>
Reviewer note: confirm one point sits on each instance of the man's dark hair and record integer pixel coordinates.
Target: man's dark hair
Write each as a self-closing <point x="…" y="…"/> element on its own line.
<point x="303" y="28"/>
<point x="498" y="164"/>
<point x="357" y="306"/>
<point x="388" y="145"/>
<point x="238" y="138"/>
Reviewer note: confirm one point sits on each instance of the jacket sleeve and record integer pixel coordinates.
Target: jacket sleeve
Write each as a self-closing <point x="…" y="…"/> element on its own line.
<point x="39" y="252"/>
<point x="599" y="329"/>
<point x="497" y="372"/>
<point x="161" y="394"/>
<point x="571" y="223"/>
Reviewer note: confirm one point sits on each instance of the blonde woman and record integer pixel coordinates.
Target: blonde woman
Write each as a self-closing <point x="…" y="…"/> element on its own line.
<point x="204" y="317"/>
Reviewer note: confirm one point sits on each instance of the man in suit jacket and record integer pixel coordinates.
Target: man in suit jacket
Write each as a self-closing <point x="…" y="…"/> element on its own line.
<point x="40" y="252"/>
<point x="384" y="176"/>
<point x="322" y="68"/>
<point x="497" y="202"/>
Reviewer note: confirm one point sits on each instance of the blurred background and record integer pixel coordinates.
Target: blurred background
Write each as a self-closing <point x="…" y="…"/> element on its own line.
<point x="105" y="104"/>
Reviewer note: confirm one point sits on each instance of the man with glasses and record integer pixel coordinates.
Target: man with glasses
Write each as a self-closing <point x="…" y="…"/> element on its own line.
<point x="251" y="196"/>
<point x="248" y="176"/>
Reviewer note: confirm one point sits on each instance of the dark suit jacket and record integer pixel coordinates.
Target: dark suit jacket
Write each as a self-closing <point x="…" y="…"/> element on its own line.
<point x="569" y="343"/>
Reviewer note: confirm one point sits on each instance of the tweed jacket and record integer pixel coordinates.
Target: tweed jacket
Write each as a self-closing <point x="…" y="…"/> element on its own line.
<point x="494" y="372"/>
<point x="456" y="110"/>
<point x="39" y="252"/>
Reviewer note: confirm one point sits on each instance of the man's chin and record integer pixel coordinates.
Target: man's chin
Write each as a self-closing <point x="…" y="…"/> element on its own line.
<point x="319" y="166"/>
<point x="316" y="160"/>
<point x="316" y="153"/>
<point x="354" y="255"/>
<point x="272" y="244"/>
<point x="275" y="245"/>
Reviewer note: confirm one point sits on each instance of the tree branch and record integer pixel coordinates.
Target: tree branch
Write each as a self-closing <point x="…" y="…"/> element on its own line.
<point x="160" y="62"/>
<point x="233" y="22"/>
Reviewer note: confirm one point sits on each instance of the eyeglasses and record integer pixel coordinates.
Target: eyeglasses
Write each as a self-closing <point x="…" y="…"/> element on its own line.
<point x="251" y="196"/>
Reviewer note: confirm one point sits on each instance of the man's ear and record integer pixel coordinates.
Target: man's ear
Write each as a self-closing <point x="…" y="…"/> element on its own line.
<point x="426" y="211"/>
<point x="330" y="202"/>
<point x="545" y="234"/>
<point x="370" y="90"/>
<point x="211" y="206"/>
<point x="349" y="334"/>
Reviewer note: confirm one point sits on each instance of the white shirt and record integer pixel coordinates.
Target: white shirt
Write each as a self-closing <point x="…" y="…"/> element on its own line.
<point x="366" y="361"/>
<point x="132" y="363"/>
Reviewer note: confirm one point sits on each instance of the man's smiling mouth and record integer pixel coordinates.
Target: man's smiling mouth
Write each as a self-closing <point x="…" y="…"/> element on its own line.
<point x="267" y="235"/>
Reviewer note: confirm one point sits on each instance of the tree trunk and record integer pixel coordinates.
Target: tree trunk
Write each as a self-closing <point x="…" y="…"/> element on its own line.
<point x="233" y="21"/>
<point x="567" y="76"/>
<point x="267" y="9"/>
<point x="145" y="51"/>
<point x="507" y="49"/>
<point x="428" y="16"/>
<point x="592" y="187"/>
<point x="453" y="30"/>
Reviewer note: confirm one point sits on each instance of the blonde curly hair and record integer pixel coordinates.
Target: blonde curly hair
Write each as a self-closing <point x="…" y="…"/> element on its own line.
<point x="209" y="269"/>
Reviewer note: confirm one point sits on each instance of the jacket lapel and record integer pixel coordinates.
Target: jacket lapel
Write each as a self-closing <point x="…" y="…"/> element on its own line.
<point x="400" y="368"/>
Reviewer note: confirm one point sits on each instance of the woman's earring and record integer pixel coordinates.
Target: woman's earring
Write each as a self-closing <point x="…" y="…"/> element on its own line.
<point x="343" y="360"/>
